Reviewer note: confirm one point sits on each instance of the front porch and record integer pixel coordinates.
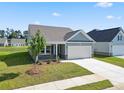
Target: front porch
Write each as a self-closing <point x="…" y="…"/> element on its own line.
<point x="52" y="51"/>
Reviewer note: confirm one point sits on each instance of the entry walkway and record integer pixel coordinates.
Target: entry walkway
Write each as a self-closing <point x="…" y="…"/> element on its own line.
<point x="67" y="83"/>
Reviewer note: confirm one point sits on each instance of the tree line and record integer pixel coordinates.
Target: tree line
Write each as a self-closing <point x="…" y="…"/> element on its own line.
<point x="11" y="33"/>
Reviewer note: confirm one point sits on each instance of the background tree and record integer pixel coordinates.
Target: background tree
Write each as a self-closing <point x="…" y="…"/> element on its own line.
<point x="37" y="44"/>
<point x="2" y="33"/>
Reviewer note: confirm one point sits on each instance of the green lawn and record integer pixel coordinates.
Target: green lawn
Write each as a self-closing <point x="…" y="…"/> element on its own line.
<point x="112" y="60"/>
<point x="16" y="62"/>
<point x="94" y="86"/>
<point x="13" y="56"/>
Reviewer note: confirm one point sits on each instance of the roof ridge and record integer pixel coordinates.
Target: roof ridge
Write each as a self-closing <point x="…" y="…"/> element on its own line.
<point x="49" y="26"/>
<point x="110" y="29"/>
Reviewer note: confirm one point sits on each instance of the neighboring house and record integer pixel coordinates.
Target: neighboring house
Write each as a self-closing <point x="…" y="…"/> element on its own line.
<point x="109" y="41"/>
<point x="63" y="42"/>
<point x="17" y="42"/>
<point x="3" y="42"/>
<point x="25" y="33"/>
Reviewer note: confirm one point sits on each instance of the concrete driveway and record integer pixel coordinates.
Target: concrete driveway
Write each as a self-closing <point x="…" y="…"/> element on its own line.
<point x="120" y="56"/>
<point x="112" y="72"/>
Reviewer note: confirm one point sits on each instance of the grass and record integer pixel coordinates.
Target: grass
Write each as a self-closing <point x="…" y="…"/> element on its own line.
<point x="13" y="56"/>
<point x="49" y="72"/>
<point x="94" y="86"/>
<point x="13" y="49"/>
<point x="3" y="66"/>
<point x="112" y="60"/>
<point x="18" y="61"/>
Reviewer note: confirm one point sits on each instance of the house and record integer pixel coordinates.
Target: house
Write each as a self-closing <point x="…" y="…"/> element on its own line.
<point x="25" y="33"/>
<point x="109" y="41"/>
<point x="3" y="42"/>
<point x="63" y="42"/>
<point x="17" y="42"/>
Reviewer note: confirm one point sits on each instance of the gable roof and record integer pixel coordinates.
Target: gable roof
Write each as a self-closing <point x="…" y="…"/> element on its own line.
<point x="69" y="34"/>
<point x="50" y="33"/>
<point x="18" y="41"/>
<point x="106" y="35"/>
<point x="75" y="33"/>
<point x="3" y="40"/>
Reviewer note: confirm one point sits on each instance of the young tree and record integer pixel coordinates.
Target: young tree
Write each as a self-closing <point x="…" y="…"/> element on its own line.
<point x="37" y="44"/>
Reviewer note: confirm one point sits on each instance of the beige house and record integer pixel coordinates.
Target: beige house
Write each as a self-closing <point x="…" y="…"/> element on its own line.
<point x="63" y="42"/>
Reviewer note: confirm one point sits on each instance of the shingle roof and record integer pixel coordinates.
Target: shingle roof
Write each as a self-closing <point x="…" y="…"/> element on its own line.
<point x="69" y="34"/>
<point x="51" y="33"/>
<point x="3" y="40"/>
<point x="106" y="35"/>
<point x="17" y="40"/>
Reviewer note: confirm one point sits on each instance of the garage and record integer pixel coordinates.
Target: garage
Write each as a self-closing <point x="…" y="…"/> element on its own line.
<point x="118" y="50"/>
<point x="78" y="52"/>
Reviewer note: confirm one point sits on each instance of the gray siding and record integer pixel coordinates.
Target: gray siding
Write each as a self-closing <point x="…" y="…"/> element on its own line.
<point x="79" y="44"/>
<point x="102" y="48"/>
<point x="115" y="40"/>
<point x="79" y="38"/>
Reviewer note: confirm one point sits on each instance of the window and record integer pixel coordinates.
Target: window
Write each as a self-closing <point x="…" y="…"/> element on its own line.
<point x="48" y="49"/>
<point x="119" y="37"/>
<point x="42" y="51"/>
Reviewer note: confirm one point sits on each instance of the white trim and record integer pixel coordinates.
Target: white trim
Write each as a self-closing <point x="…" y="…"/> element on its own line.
<point x="56" y="42"/>
<point x="65" y="49"/>
<point x="80" y="42"/>
<point x="45" y="50"/>
<point x="81" y="31"/>
<point x="56" y="51"/>
<point x="73" y="36"/>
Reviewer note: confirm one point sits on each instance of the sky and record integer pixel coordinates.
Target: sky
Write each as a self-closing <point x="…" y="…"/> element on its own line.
<point x="86" y="15"/>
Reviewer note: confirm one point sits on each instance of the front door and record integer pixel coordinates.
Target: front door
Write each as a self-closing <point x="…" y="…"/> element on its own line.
<point x="61" y="50"/>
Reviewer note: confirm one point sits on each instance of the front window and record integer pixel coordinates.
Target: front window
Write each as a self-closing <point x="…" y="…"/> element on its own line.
<point x="119" y="37"/>
<point x="48" y="49"/>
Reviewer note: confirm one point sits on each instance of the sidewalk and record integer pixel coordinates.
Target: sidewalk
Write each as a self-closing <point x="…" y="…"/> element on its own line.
<point x="67" y="83"/>
<point x="117" y="87"/>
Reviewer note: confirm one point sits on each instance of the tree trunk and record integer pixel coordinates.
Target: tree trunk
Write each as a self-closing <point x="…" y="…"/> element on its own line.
<point x="36" y="59"/>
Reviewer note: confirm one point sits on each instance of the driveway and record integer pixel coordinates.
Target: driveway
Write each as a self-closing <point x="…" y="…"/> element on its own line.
<point x="120" y="56"/>
<point x="112" y="72"/>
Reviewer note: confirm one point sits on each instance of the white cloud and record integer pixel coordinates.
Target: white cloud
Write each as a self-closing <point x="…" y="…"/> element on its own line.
<point x="56" y="14"/>
<point x="104" y="4"/>
<point x="37" y="22"/>
<point x="113" y="17"/>
<point x="110" y="17"/>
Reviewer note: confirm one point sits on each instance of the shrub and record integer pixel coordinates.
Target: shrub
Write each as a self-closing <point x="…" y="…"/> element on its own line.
<point x="2" y="65"/>
<point x="39" y="63"/>
<point x="49" y="61"/>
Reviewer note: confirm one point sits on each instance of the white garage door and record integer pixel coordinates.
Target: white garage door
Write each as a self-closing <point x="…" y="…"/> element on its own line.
<point x="75" y="52"/>
<point x="118" y="50"/>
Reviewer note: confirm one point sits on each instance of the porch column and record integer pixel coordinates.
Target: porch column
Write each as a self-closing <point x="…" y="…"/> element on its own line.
<point x="45" y="50"/>
<point x="65" y="51"/>
<point x="56" y="51"/>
